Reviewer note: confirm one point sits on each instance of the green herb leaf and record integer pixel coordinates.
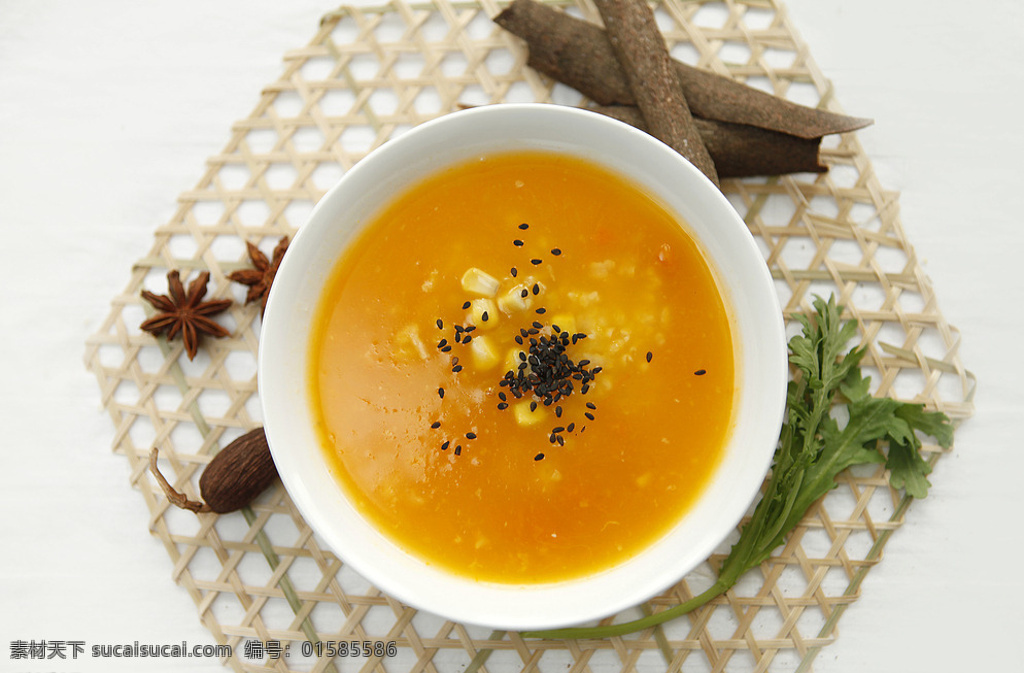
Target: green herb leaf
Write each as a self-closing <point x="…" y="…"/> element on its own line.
<point x="932" y="423"/>
<point x="813" y="449"/>
<point x="907" y="469"/>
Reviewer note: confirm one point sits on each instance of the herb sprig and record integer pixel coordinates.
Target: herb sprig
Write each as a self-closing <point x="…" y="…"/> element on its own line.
<point x="813" y="449"/>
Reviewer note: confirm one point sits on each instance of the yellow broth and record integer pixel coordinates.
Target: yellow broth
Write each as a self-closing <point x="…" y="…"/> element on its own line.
<point x="423" y="427"/>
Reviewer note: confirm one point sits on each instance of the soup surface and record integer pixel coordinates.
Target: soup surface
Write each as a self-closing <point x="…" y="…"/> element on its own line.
<point x="523" y="370"/>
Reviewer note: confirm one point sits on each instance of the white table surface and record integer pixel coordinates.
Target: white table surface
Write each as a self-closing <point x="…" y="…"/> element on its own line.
<point x="108" y="110"/>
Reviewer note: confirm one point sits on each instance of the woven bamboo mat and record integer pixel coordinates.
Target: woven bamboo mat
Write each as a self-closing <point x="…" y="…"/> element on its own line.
<point x="367" y="75"/>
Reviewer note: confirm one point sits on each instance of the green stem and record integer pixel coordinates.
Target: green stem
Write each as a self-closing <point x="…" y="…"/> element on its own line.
<point x="483" y="655"/>
<point x="273" y="560"/>
<point x="285" y="583"/>
<point x="872" y="557"/>
<point x="716" y="589"/>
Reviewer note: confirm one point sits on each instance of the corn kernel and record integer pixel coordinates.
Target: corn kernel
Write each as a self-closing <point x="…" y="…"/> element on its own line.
<point x="512" y="359"/>
<point x="524" y="416"/>
<point x="513" y="300"/>
<point x="479" y="282"/>
<point x="483" y="313"/>
<point x="485" y="354"/>
<point x="410" y="344"/>
<point x="565" y="321"/>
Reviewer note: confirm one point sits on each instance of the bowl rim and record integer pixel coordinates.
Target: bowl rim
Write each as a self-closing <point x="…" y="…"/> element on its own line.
<point x="609" y="143"/>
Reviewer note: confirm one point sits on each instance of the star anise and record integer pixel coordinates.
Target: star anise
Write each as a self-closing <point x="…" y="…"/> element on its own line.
<point x="261" y="277"/>
<point x="184" y="312"/>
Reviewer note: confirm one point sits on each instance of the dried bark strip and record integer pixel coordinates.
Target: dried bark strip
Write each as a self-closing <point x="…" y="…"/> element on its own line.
<point x="741" y="151"/>
<point x="738" y="150"/>
<point x="640" y="49"/>
<point x="579" y="54"/>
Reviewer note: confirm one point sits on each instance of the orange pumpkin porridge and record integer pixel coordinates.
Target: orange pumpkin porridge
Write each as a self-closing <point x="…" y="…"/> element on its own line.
<point x="523" y="369"/>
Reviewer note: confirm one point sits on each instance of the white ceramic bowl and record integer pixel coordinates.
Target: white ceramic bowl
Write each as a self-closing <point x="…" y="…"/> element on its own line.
<point x="761" y="369"/>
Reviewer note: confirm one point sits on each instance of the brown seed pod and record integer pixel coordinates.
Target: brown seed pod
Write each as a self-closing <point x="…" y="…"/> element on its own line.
<point x="241" y="471"/>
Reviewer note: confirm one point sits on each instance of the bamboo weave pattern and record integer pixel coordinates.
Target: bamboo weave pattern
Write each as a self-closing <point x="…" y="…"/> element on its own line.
<point x="366" y="76"/>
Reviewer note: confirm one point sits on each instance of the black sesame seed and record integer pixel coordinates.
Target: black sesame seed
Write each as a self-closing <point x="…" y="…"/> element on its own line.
<point x="518" y="242"/>
<point x="470" y="329"/>
<point x="557" y="429"/>
<point x="440" y="324"/>
<point x="539" y="456"/>
<point x="444" y="447"/>
<point x="524" y="294"/>
<point x="556" y="328"/>
<point x="552" y="438"/>
<point x="470" y="435"/>
<point x="456" y="369"/>
<point x="464" y="306"/>
<point x="502" y="405"/>
<point x="442" y="343"/>
<point x="542" y="310"/>
<point x="650" y="356"/>
<point x="466" y="339"/>
<point x="536" y="261"/>
<point x="547" y="370"/>
<point x="458" y="449"/>
<point x="514" y="271"/>
<point x="536" y="288"/>
<point x="556" y="252"/>
<point x="446" y="349"/>
<point x="440" y="393"/>
<point x="700" y="372"/>
<point x="561" y="440"/>
<point x="591" y="405"/>
<point x="519" y="340"/>
<point x="571" y="427"/>
<point x="524" y="226"/>
<point x="501" y="396"/>
<point x="589" y="416"/>
<point x="484" y="316"/>
<point x="435" y="425"/>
